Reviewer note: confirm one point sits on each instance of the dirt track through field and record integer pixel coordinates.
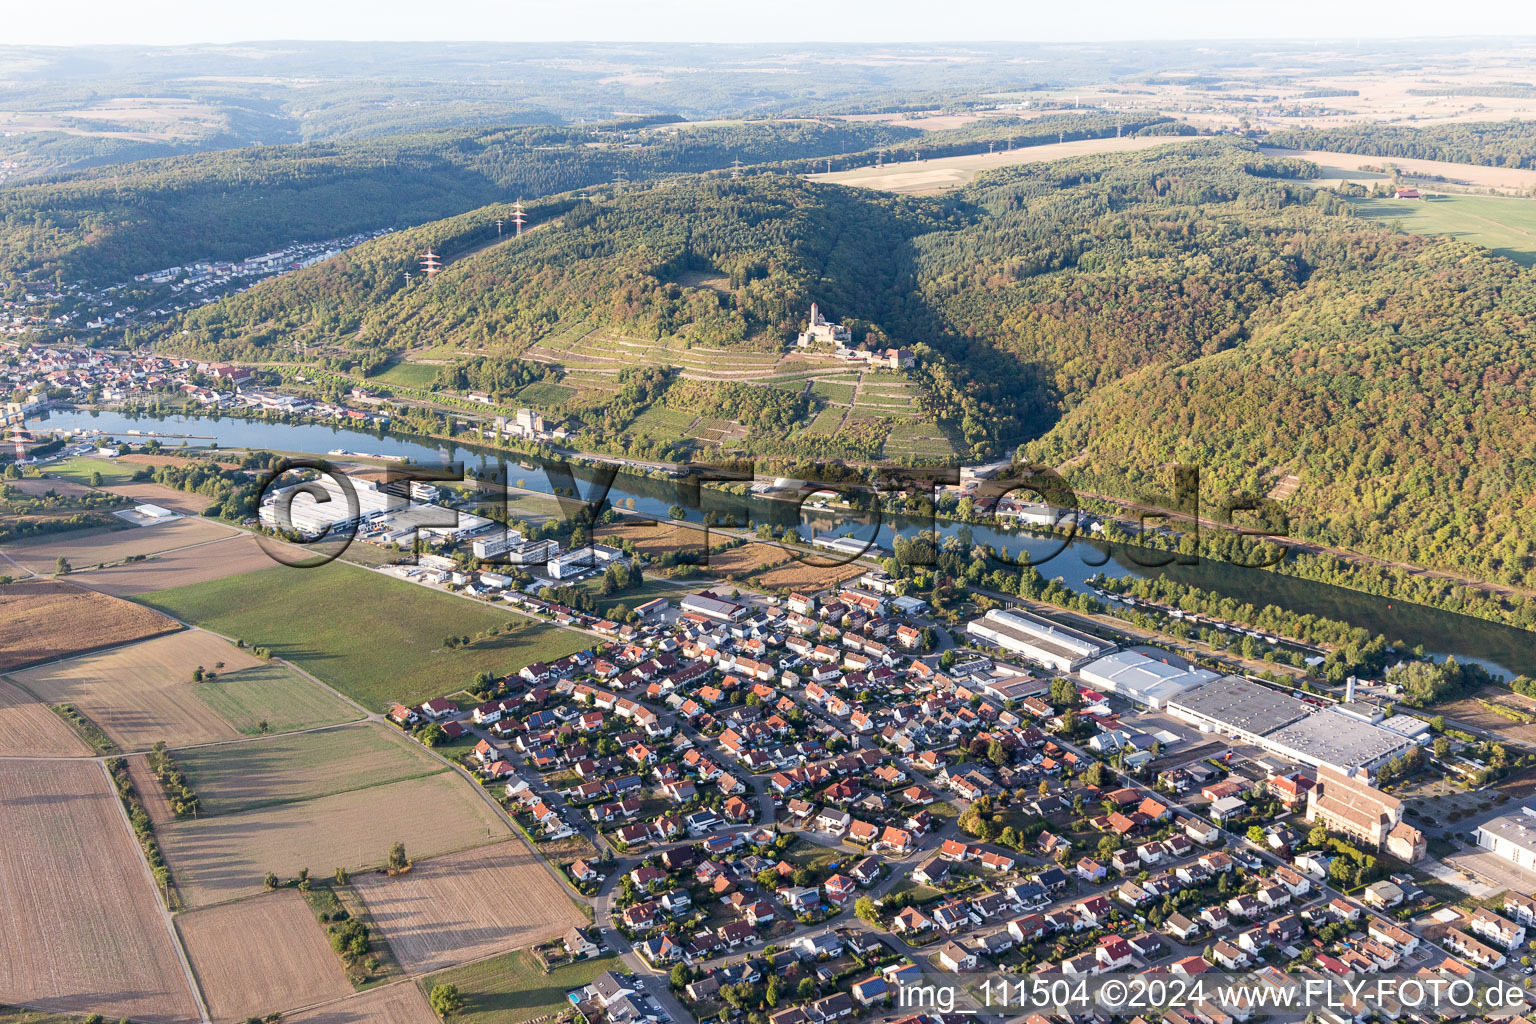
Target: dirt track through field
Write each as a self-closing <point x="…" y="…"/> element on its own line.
<point x="261" y="955"/>
<point x="467" y="905"/>
<point x="151" y="795"/>
<point x="83" y="931"/>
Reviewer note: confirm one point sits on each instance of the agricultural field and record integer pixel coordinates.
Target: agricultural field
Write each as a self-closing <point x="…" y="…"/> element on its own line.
<point x="924" y="177"/>
<point x="274" y="693"/>
<point x="396" y="1004"/>
<point x="144" y="692"/>
<point x="85" y="548"/>
<point x="1505" y="225"/>
<point x="381" y="639"/>
<point x="29" y="729"/>
<point x="83" y="470"/>
<point x="83" y="927"/>
<point x="40" y="485"/>
<point x="1370" y="170"/>
<point x="452" y="909"/>
<point x="47" y="619"/>
<point x="226" y="856"/>
<point x="147" y="493"/>
<point x="796" y="575"/>
<point x="410" y="375"/>
<point x="544" y="394"/>
<point x="259" y="955"/>
<point x="183" y="567"/>
<point x="230" y="778"/>
<point x="514" y="988"/>
<point x="746" y="558"/>
<point x="919" y="441"/>
<point x="653" y="539"/>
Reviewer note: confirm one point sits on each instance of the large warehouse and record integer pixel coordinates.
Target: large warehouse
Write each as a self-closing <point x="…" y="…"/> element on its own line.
<point x="1337" y="739"/>
<point x="1037" y="639"/>
<point x="1246" y="711"/>
<point x="1136" y="677"/>
<point x="1233" y="706"/>
<point x="1512" y="837"/>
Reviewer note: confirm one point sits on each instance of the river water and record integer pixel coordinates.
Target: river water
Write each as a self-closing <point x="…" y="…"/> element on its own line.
<point x="1501" y="649"/>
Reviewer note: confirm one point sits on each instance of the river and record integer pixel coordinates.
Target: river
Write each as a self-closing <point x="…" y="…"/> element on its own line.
<point x="1500" y="649"/>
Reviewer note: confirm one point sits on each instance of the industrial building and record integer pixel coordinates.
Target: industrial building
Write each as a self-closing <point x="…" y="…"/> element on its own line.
<point x="1037" y="639"/>
<point x="316" y="507"/>
<point x="578" y="560"/>
<point x="1337" y="738"/>
<point x="1512" y="837"/>
<point x="1139" y="678"/>
<point x="1356" y="808"/>
<point x="508" y="547"/>
<point x="710" y="606"/>
<point x="1233" y="706"/>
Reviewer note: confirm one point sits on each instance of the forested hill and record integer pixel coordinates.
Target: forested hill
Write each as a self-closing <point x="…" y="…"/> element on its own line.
<point x="1492" y="143"/>
<point x="107" y="224"/>
<point x="1188" y="304"/>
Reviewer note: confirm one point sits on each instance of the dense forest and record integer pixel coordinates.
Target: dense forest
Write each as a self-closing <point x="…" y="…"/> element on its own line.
<point x="1491" y="143"/>
<point x="107" y="224"/>
<point x="1192" y="304"/>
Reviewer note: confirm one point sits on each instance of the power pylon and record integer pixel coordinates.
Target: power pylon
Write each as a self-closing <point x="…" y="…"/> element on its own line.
<point x="518" y="219"/>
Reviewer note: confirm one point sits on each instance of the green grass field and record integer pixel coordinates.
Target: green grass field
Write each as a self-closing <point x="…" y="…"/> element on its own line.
<point x="410" y="375"/>
<point x="833" y="391"/>
<point x="274" y="694"/>
<point x="374" y="638"/>
<point x="233" y="777"/>
<point x="1505" y="225"/>
<point x="544" y="394"/>
<point x="647" y="591"/>
<point x="513" y="988"/>
<point x="80" y="470"/>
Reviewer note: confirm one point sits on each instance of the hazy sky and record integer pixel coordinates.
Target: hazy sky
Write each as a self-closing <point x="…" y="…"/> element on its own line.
<point x="63" y="22"/>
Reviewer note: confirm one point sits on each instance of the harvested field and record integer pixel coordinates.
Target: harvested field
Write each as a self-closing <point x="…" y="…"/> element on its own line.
<point x="654" y="538"/>
<point x="143" y="692"/>
<point x="799" y="576"/>
<point x="746" y="558"/>
<point x="466" y="906"/>
<point x="83" y="931"/>
<point x="261" y="955"/>
<point x="86" y="548"/>
<point x="148" y="787"/>
<point x="280" y="769"/>
<point x="180" y="568"/>
<point x="146" y="493"/>
<point x="42" y="485"/>
<point x="28" y="728"/>
<point x="937" y="175"/>
<point x="397" y="1004"/>
<point x="46" y="620"/>
<point x="226" y="856"/>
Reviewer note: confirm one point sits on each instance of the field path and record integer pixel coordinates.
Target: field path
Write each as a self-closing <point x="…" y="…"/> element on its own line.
<point x="167" y="919"/>
<point x="150" y="794"/>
